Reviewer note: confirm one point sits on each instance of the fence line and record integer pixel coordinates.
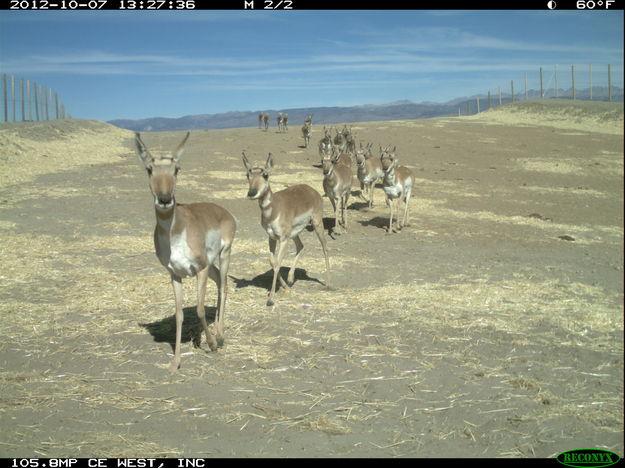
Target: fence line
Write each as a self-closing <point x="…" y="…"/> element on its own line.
<point x="31" y="96"/>
<point x="545" y="90"/>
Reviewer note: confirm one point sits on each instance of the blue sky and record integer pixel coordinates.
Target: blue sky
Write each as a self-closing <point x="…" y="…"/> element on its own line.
<point x="129" y="64"/>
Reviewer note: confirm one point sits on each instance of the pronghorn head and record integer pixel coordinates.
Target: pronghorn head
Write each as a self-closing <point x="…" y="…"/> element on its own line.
<point x="162" y="171"/>
<point x="257" y="177"/>
<point x="389" y="161"/>
<point x="329" y="161"/>
<point x="360" y="156"/>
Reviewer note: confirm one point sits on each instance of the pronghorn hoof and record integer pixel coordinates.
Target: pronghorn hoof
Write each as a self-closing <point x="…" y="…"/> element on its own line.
<point x="270" y="303"/>
<point x="173" y="367"/>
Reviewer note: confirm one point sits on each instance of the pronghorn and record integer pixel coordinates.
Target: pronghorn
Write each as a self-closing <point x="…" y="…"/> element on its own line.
<point x="260" y="120"/>
<point x="280" y="122"/>
<point x="266" y="120"/>
<point x="285" y="122"/>
<point x="350" y="143"/>
<point x="306" y="132"/>
<point x="337" y="183"/>
<point x="190" y="240"/>
<point x="339" y="141"/>
<point x="369" y="172"/>
<point x="284" y="215"/>
<point x="397" y="183"/>
<point x="325" y="144"/>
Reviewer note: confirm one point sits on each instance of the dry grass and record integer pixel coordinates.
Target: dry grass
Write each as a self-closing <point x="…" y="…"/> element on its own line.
<point x="490" y="364"/>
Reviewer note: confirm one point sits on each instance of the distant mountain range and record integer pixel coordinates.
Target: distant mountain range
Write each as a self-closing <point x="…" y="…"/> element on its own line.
<point x="397" y="110"/>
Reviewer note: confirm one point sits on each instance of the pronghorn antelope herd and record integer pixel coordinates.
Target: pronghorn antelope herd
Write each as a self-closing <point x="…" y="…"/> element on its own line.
<point x="195" y="240"/>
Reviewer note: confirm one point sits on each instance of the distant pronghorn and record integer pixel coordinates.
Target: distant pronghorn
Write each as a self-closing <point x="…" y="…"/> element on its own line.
<point x="280" y="122"/>
<point x="325" y="144"/>
<point x="369" y="171"/>
<point x="285" y="122"/>
<point x="266" y="120"/>
<point x="308" y="119"/>
<point x="306" y="132"/>
<point x="397" y="184"/>
<point x="260" y="120"/>
<point x="339" y="140"/>
<point x="337" y="183"/>
<point x="350" y="142"/>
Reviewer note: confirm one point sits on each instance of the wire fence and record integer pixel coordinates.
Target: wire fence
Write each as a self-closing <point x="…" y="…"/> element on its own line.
<point x="26" y="101"/>
<point x="574" y="82"/>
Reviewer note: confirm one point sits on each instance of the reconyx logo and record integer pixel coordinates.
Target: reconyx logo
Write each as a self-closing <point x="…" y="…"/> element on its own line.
<point x="588" y="458"/>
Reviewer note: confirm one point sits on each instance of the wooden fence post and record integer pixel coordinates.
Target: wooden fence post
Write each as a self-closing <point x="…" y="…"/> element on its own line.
<point x="590" y="81"/>
<point x="542" y="90"/>
<point x="512" y="89"/>
<point x="609" y="82"/>
<point x="573" y="80"/>
<point x="13" y="95"/>
<point x="4" y="95"/>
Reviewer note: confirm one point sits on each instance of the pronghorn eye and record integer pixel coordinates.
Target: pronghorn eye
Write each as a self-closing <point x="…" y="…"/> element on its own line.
<point x="265" y="175"/>
<point x="149" y="171"/>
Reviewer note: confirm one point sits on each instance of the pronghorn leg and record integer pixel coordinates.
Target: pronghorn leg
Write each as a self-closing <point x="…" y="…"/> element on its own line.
<point x="299" y="246"/>
<point x="317" y="224"/>
<point x="406" y="208"/>
<point x="344" y="199"/>
<point x="371" y="192"/>
<point x="333" y="209"/>
<point x="276" y="269"/>
<point x="389" y="202"/>
<point x="272" y="261"/>
<point x="202" y="276"/>
<point x="223" y="294"/>
<point x="176" y="283"/>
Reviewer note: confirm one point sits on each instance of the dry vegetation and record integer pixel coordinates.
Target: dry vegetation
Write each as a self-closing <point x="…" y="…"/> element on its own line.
<point x="493" y="326"/>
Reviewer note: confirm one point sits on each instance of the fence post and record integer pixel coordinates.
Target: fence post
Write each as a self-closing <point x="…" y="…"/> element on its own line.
<point x="22" y="96"/>
<point x="499" y="95"/>
<point x="590" y="81"/>
<point x="609" y="82"/>
<point x="489" y="101"/>
<point x="573" y="80"/>
<point x="512" y="89"/>
<point x="13" y="95"/>
<point x="4" y="95"/>
<point x="542" y="91"/>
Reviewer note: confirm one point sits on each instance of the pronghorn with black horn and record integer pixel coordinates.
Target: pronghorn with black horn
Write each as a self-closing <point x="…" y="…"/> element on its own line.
<point x="190" y="240"/>
<point x="284" y="215"/>
<point x="397" y="183"/>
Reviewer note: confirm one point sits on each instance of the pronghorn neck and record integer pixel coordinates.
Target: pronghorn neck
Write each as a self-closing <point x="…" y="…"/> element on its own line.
<point x="165" y="219"/>
<point x="265" y="202"/>
<point x="389" y="174"/>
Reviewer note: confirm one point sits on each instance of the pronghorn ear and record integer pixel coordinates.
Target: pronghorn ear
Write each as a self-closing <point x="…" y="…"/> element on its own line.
<point x="246" y="163"/>
<point x="180" y="149"/>
<point x="144" y="155"/>
<point x="269" y="163"/>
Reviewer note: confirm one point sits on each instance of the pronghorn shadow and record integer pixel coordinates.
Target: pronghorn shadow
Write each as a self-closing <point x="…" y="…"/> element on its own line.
<point x="164" y="330"/>
<point x="265" y="279"/>
<point x="358" y="205"/>
<point x="378" y="222"/>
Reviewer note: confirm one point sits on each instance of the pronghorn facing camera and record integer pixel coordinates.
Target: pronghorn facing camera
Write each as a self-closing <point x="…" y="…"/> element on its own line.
<point x="190" y="240"/>
<point x="284" y="215"/>
<point x="280" y="122"/>
<point x="337" y="183"/>
<point x="339" y="140"/>
<point x="266" y="121"/>
<point x="285" y="122"/>
<point x="306" y="132"/>
<point x="397" y="183"/>
<point x="260" y="120"/>
<point x="325" y="144"/>
<point x="369" y="171"/>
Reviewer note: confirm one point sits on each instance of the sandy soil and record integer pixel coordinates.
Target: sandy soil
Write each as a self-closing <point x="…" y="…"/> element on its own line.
<point x="491" y="327"/>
